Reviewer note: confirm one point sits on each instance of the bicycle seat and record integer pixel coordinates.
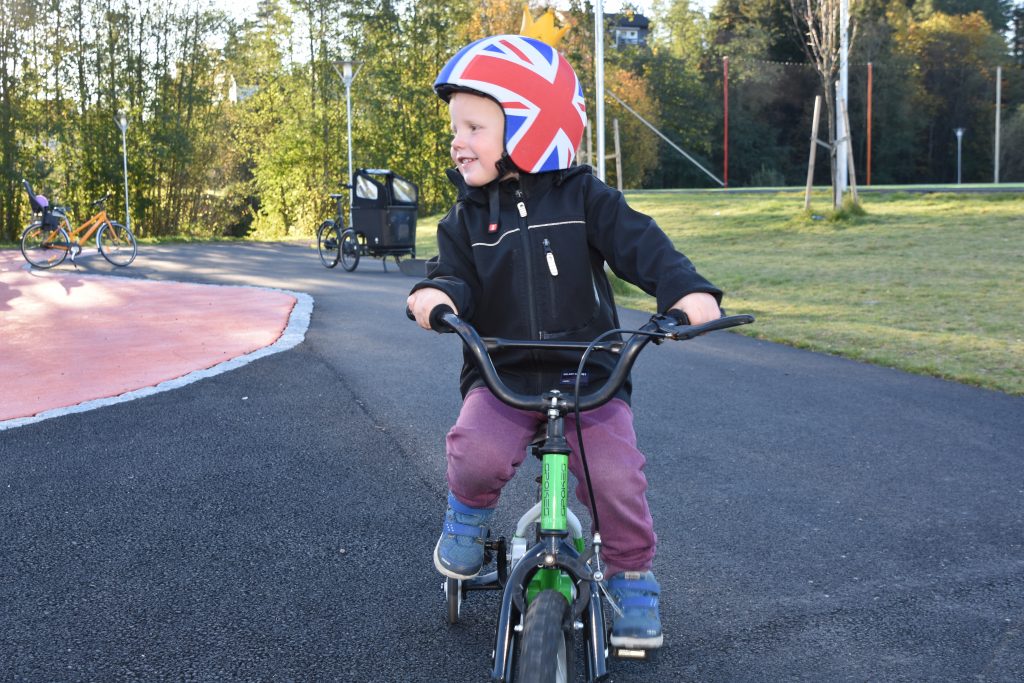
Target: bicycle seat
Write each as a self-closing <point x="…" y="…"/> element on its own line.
<point x="336" y="196"/>
<point x="37" y="202"/>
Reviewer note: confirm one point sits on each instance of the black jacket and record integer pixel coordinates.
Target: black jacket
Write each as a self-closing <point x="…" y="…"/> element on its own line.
<point x="525" y="259"/>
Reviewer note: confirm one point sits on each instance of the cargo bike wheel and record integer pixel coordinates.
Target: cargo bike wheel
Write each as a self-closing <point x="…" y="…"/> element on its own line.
<point x="328" y="244"/>
<point x="349" y="248"/>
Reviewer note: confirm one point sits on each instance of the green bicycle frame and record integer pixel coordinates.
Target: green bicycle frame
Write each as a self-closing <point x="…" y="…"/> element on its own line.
<point x="554" y="492"/>
<point x="554" y="502"/>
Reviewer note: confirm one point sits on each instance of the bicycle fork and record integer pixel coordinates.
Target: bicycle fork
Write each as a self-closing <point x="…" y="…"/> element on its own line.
<point x="554" y="562"/>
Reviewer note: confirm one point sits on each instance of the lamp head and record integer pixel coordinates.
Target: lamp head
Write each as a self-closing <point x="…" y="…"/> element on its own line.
<point x="348" y="69"/>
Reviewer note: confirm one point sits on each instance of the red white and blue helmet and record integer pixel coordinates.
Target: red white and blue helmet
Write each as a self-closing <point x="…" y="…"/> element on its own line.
<point x="537" y="89"/>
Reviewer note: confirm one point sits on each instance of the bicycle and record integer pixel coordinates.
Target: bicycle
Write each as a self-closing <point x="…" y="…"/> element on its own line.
<point x="49" y="238"/>
<point x="552" y="590"/>
<point x="384" y="207"/>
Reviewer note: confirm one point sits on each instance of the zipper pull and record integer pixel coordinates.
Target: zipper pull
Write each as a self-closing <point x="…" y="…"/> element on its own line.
<point x="521" y="205"/>
<point x="550" y="255"/>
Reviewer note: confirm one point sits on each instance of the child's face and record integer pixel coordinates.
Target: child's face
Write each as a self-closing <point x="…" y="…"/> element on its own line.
<point x="478" y="130"/>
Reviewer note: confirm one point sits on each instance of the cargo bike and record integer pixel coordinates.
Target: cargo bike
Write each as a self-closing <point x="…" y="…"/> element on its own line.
<point x="384" y="206"/>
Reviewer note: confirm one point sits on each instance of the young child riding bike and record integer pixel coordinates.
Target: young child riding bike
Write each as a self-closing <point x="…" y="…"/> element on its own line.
<point x="522" y="255"/>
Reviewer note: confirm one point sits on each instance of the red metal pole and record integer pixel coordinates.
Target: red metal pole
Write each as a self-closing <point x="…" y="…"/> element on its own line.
<point x="868" y="163"/>
<point x="725" y="97"/>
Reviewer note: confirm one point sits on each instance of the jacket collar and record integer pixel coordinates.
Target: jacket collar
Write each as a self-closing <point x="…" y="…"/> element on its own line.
<point x="529" y="182"/>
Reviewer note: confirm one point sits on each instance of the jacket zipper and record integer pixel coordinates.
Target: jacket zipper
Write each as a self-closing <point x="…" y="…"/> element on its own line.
<point x="524" y="230"/>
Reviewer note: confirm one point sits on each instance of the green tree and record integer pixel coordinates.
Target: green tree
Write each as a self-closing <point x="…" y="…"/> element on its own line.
<point x="16" y="19"/>
<point x="953" y="58"/>
<point x="691" y="107"/>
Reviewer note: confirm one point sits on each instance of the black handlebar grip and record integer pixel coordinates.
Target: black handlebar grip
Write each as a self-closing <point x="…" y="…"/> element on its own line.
<point x="437" y="324"/>
<point x="683" y="319"/>
<point x="680" y="317"/>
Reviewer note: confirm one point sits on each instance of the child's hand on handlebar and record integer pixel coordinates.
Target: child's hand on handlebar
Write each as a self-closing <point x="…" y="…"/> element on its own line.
<point x="699" y="307"/>
<point x="423" y="301"/>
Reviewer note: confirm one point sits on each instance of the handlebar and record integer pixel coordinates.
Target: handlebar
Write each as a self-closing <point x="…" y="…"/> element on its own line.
<point x="673" y="326"/>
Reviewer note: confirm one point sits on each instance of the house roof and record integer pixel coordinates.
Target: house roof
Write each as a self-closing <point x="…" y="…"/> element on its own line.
<point x="628" y="20"/>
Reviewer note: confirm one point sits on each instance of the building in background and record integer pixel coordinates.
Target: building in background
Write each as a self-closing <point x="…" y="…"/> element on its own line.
<point x="628" y="29"/>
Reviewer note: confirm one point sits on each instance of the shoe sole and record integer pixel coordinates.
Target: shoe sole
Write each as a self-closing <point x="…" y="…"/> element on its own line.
<point x="445" y="570"/>
<point x="637" y="643"/>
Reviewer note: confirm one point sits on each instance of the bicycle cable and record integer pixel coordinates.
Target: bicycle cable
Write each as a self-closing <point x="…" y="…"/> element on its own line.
<point x="579" y="417"/>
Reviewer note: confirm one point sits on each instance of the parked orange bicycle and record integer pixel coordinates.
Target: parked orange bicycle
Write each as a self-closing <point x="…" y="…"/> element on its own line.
<point x="49" y="238"/>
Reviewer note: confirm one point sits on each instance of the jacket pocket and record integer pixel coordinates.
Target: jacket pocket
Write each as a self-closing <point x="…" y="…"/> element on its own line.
<point x="563" y="279"/>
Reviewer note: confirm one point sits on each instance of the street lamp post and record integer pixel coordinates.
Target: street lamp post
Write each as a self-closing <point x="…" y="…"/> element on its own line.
<point x="959" y="146"/>
<point x="121" y="119"/>
<point x="348" y="71"/>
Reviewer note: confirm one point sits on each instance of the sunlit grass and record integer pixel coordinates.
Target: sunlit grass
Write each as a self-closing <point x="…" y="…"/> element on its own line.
<point x="932" y="284"/>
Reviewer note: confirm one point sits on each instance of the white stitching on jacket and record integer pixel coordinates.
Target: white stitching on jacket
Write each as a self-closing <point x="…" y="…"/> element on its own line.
<point x="494" y="244"/>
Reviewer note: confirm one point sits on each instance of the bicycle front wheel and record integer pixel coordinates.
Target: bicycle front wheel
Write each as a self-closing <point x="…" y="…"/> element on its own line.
<point x="328" y="244"/>
<point x="44" y="247"/>
<point x="349" y="250"/>
<point x="117" y="244"/>
<point x="546" y="652"/>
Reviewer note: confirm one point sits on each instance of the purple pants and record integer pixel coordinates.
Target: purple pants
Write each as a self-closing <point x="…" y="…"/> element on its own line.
<point x="488" y="443"/>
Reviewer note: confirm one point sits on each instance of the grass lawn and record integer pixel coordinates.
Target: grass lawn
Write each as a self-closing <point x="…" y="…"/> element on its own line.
<point x="932" y="284"/>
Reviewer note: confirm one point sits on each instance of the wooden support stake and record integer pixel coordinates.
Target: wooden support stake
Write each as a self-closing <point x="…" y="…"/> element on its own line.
<point x="814" y="150"/>
<point x="849" y="154"/>
<point x="618" y="155"/>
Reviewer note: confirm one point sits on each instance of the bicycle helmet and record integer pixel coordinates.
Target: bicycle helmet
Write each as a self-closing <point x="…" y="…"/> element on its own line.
<point x="536" y="88"/>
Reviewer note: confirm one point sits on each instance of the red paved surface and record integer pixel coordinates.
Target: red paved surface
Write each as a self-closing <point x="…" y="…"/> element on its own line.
<point x="66" y="338"/>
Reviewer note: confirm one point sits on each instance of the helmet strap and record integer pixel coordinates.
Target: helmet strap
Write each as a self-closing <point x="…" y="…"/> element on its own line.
<point x="505" y="166"/>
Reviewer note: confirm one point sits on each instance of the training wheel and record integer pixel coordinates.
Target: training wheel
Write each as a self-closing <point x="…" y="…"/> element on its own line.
<point x="453" y="596"/>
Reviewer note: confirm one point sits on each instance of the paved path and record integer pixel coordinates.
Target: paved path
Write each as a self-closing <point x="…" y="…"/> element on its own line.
<point x="73" y="340"/>
<point x="818" y="519"/>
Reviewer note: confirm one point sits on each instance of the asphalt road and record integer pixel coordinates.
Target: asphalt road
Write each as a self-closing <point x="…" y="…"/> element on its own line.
<point x="819" y="519"/>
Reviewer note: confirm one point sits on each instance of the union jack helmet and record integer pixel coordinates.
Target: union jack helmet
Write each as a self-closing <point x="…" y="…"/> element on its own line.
<point x="536" y="88"/>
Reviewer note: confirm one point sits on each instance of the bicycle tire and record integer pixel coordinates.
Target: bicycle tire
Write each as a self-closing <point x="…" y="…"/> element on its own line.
<point x="328" y="244"/>
<point x="546" y="653"/>
<point x="348" y="245"/>
<point x="44" y="247"/>
<point x="117" y="244"/>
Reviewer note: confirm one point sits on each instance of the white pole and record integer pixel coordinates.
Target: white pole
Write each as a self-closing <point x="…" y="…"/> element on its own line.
<point x="959" y="144"/>
<point x="349" y="71"/>
<point x="348" y="121"/>
<point x="599" y="83"/>
<point x="841" y="132"/>
<point x="122" y="123"/>
<point x="999" y="104"/>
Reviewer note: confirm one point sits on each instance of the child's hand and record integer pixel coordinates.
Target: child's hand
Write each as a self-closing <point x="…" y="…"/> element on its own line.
<point x="699" y="307"/>
<point x="423" y="301"/>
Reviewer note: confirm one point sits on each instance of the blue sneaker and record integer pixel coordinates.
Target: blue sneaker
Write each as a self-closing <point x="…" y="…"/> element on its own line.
<point x="459" y="553"/>
<point x="639" y="626"/>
